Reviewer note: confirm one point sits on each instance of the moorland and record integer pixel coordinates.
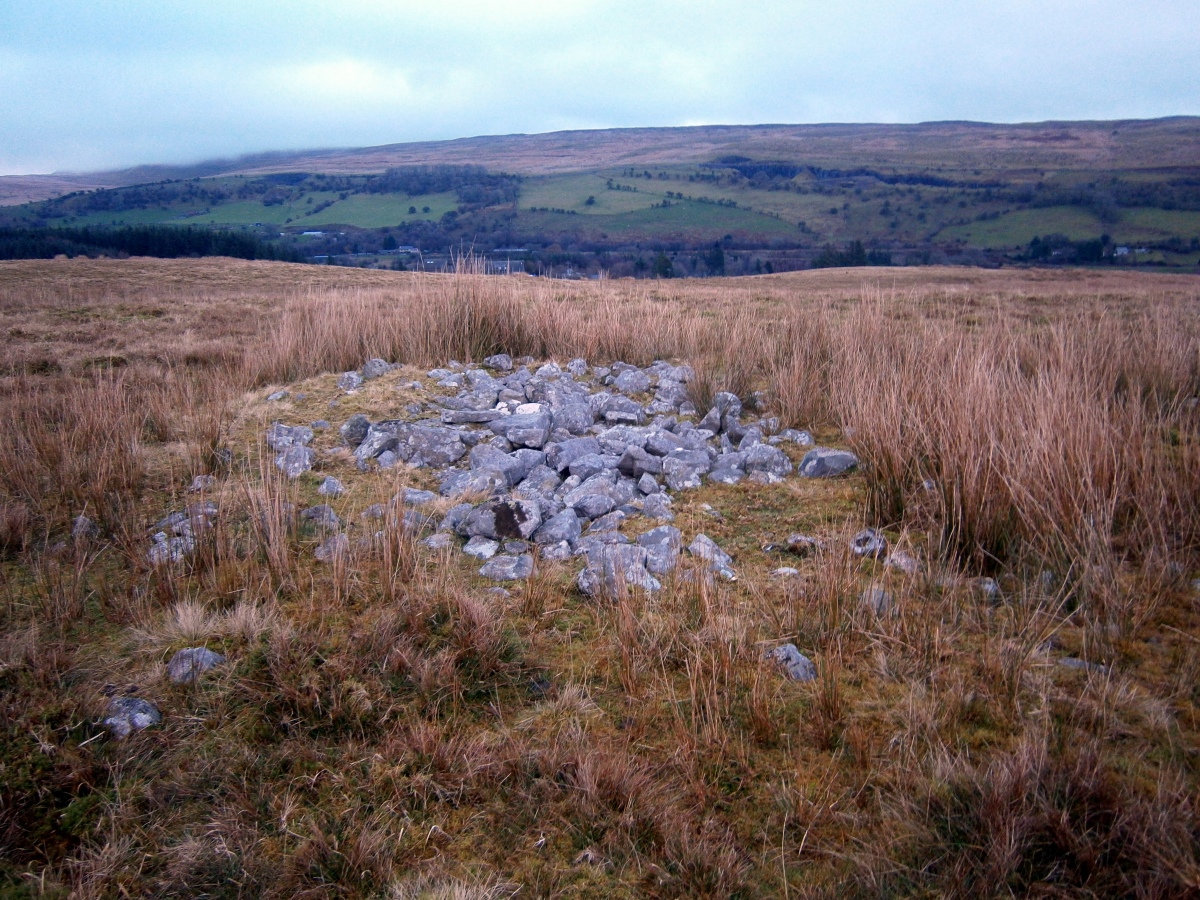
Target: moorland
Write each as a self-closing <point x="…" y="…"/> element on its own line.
<point x="1020" y="718"/>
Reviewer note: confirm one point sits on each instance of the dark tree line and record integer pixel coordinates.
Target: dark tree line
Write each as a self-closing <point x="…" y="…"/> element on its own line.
<point x="855" y="254"/>
<point x="137" y="240"/>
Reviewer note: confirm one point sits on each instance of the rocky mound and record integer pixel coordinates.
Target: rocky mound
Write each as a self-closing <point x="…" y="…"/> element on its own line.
<point x="563" y="457"/>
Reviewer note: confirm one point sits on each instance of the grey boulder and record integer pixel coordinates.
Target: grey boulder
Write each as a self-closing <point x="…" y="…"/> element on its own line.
<point x="508" y="568"/>
<point x="614" y="568"/>
<point x="719" y="561"/>
<point x="189" y="664"/>
<point x="662" y="548"/>
<point x="869" y="544"/>
<point x="129" y="714"/>
<point x="795" y="664"/>
<point x="375" y="368"/>
<point x="825" y="462"/>
<point x="350" y="381"/>
<point x="354" y="430"/>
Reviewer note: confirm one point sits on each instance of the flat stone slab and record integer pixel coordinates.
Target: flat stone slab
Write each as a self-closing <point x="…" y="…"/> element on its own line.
<point x="508" y="568"/>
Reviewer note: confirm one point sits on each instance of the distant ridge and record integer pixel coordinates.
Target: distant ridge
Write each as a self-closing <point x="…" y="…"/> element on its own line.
<point x="1122" y="144"/>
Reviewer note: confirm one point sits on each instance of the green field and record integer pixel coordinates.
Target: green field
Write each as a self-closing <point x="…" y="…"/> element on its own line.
<point x="1016" y="229"/>
<point x="357" y="210"/>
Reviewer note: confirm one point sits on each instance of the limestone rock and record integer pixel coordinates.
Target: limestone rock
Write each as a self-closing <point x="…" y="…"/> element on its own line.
<point x="295" y="460"/>
<point x="508" y="568"/>
<point x="795" y="664"/>
<point x="720" y="562"/>
<point x="129" y="714"/>
<point x="349" y="381"/>
<point x="332" y="548"/>
<point x="354" y="430"/>
<point x="876" y="600"/>
<point x="481" y="547"/>
<point x="189" y="664"/>
<point x="375" y="368"/>
<point x="331" y="487"/>
<point x="613" y="568"/>
<point x="824" y="462"/>
<point x="869" y="544"/>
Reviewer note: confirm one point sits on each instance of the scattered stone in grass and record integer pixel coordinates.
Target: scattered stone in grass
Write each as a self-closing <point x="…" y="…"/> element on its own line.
<point x="165" y="550"/>
<point x="277" y="396"/>
<point x="83" y="529"/>
<point x="876" y="600"/>
<point x="720" y="562"/>
<point x="189" y="664"/>
<point x="375" y="368"/>
<point x="354" y="430"/>
<point x="658" y="506"/>
<point x="796" y="666"/>
<point x="560" y="552"/>
<point x="900" y="560"/>
<point x="440" y="541"/>
<point x="501" y="362"/>
<point x="989" y="587"/>
<point x="1072" y="662"/>
<point x="295" y="460"/>
<point x="662" y="548"/>
<point x="614" y="568"/>
<point x="332" y="548"/>
<point x="280" y="436"/>
<point x="129" y="714"/>
<point x="319" y="425"/>
<point x="321" y="516"/>
<point x="349" y="381"/>
<point x="869" y="544"/>
<point x="824" y="462"/>
<point x="331" y="487"/>
<point x="802" y="544"/>
<point x="415" y="497"/>
<point x="202" y="483"/>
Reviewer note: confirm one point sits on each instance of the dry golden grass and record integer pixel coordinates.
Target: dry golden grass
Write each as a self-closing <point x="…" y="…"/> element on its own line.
<point x="387" y="727"/>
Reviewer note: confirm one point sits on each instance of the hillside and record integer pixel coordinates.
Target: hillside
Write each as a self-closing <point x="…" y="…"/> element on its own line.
<point x="774" y="194"/>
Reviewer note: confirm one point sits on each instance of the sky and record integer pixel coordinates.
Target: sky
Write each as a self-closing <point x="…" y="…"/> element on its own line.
<point x="104" y="84"/>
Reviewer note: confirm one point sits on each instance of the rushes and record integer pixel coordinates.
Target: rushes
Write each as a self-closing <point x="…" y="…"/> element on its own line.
<point x="384" y="722"/>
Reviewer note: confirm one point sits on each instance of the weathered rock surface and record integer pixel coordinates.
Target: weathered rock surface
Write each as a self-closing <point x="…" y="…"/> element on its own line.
<point x="375" y="368"/>
<point x="719" y="561"/>
<point x="295" y="460"/>
<point x="189" y="664"/>
<point x="126" y="715"/>
<point x="876" y="600"/>
<point x="795" y="664"/>
<point x="508" y="568"/>
<point x="869" y="544"/>
<point x="614" y="568"/>
<point x="331" y="487"/>
<point x="824" y="462"/>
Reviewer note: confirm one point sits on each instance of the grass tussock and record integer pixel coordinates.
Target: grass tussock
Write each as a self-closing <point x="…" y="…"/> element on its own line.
<point x="387" y="726"/>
